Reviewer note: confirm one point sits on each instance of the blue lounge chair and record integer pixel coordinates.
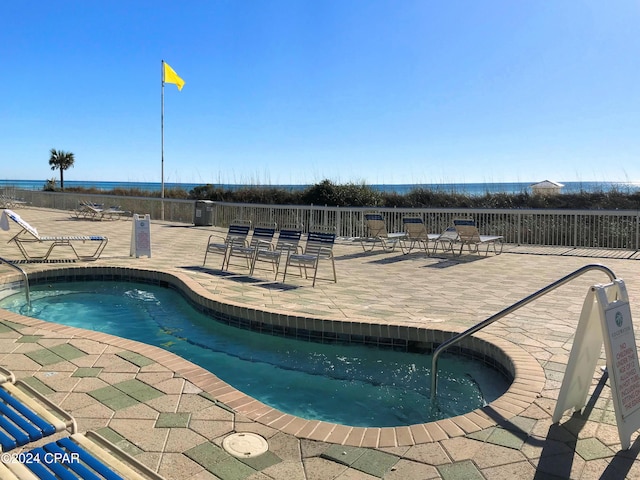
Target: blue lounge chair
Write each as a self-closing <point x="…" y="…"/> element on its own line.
<point x="27" y="416"/>
<point x="79" y="456"/>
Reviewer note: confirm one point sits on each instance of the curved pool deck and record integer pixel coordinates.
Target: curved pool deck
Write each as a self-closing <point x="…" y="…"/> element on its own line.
<point x="174" y="416"/>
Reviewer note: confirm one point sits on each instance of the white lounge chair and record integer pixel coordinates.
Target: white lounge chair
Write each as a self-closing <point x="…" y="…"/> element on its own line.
<point x="416" y="235"/>
<point x="446" y="240"/>
<point x="378" y="234"/>
<point x="469" y="235"/>
<point x="28" y="235"/>
<point x="96" y="211"/>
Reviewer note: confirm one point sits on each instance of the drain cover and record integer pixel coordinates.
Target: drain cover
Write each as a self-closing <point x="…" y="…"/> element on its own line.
<point x="245" y="445"/>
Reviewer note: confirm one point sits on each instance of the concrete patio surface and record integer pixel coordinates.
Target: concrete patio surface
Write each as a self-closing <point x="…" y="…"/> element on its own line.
<point x="174" y="416"/>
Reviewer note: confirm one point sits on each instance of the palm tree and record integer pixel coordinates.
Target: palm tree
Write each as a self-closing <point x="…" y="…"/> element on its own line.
<point x="62" y="160"/>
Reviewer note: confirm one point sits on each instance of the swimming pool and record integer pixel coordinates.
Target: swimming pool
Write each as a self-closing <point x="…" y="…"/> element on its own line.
<point x="349" y="384"/>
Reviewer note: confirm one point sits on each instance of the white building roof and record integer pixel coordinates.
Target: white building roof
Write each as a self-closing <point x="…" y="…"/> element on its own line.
<point x="547" y="184"/>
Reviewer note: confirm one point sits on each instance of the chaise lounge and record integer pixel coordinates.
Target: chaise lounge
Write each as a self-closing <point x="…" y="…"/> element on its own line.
<point x="29" y="236"/>
<point x="378" y="234"/>
<point x="27" y="416"/>
<point x="469" y="235"/>
<point x="79" y="456"/>
<point x="416" y="235"/>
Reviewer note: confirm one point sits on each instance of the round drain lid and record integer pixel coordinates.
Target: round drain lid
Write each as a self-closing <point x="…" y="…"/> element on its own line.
<point x="245" y="445"/>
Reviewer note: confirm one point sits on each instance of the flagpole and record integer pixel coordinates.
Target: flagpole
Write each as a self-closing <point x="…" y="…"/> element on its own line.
<point x="162" y="144"/>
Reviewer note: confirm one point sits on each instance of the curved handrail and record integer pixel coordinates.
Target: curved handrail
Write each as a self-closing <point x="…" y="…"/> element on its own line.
<point x="506" y="311"/>
<point x="24" y="275"/>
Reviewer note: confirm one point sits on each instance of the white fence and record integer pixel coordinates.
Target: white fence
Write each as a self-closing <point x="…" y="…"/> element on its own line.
<point x="608" y="229"/>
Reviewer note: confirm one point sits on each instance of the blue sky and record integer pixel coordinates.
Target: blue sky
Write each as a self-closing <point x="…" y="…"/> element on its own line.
<point x="295" y="91"/>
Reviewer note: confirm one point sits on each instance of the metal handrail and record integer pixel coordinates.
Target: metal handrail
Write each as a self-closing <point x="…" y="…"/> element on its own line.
<point x="24" y="275"/>
<point x="506" y="311"/>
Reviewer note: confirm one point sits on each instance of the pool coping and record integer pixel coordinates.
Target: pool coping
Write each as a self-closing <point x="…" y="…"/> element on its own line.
<point x="528" y="374"/>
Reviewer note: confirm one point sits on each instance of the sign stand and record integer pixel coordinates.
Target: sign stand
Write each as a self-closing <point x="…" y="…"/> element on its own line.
<point x="607" y="305"/>
<point x="141" y="236"/>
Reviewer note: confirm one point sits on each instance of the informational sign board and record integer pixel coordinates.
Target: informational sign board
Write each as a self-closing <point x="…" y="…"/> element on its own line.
<point x="626" y="371"/>
<point x="605" y="318"/>
<point x="141" y="236"/>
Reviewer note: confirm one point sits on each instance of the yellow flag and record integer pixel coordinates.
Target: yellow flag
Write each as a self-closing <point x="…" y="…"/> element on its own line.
<point x="170" y="76"/>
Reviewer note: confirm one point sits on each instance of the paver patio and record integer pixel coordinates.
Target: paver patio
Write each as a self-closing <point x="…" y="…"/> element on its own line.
<point x="174" y="416"/>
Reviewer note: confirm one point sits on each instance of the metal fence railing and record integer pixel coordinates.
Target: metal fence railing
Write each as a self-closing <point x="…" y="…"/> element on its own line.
<point x="607" y="229"/>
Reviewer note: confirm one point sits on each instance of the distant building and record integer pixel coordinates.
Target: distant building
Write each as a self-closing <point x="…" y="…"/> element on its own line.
<point x="546" y="187"/>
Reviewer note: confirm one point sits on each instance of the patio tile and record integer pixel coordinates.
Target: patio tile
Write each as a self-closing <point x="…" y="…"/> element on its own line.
<point x="207" y="454"/>
<point x="375" y="463"/>
<point x="113" y="398"/>
<point x="343" y="454"/>
<point x="38" y="385"/>
<point x="87" y="372"/>
<point x="263" y="461"/>
<point x="173" y="420"/>
<point x="44" y="357"/>
<point x="67" y="351"/>
<point x="231" y="469"/>
<point x="25" y="338"/>
<point x="138" y="390"/>
<point x="464" y="470"/>
<point x="592" y="448"/>
<point x="507" y="438"/>
<point x="119" y="441"/>
<point x="135" y="358"/>
<point x="9" y="326"/>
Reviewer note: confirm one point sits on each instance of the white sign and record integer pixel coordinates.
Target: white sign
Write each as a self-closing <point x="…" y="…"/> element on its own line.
<point x="626" y="370"/>
<point x="141" y="236"/>
<point x="605" y="318"/>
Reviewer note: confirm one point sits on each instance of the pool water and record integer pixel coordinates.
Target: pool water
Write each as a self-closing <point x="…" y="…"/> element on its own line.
<point x="349" y="384"/>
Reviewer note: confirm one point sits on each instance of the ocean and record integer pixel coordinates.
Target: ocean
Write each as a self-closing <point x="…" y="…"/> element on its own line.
<point x="401" y="189"/>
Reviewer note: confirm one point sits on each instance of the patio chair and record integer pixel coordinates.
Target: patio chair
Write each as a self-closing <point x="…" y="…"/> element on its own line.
<point x="236" y="235"/>
<point x="9" y="201"/>
<point x="319" y="246"/>
<point x="261" y="238"/>
<point x="88" y="210"/>
<point x="416" y="235"/>
<point x="469" y="235"/>
<point x="288" y="243"/>
<point x="446" y="240"/>
<point x="78" y="456"/>
<point x="26" y="415"/>
<point x="28" y="235"/>
<point x="378" y="234"/>
<point x="97" y="211"/>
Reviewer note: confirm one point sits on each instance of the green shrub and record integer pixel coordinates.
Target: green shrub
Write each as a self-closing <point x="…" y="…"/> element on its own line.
<point x="361" y="195"/>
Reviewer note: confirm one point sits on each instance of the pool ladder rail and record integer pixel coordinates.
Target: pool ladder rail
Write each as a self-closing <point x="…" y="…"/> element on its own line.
<point x="506" y="311"/>
<point x="24" y="276"/>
